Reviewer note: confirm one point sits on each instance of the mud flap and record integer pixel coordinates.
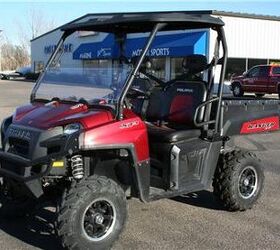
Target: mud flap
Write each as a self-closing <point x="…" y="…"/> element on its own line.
<point x="34" y="187"/>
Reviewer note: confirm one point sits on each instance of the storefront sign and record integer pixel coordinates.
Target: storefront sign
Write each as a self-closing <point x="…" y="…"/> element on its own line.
<point x="86" y="55"/>
<point x="68" y="48"/>
<point x="104" y="52"/>
<point x="153" y="52"/>
<point x="176" y="45"/>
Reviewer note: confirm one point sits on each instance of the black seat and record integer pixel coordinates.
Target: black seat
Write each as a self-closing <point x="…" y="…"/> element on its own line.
<point x="175" y="106"/>
<point x="182" y="99"/>
<point x="159" y="134"/>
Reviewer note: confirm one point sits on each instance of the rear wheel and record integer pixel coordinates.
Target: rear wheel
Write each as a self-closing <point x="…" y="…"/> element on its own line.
<point x="238" y="180"/>
<point x="237" y="90"/>
<point x="92" y="214"/>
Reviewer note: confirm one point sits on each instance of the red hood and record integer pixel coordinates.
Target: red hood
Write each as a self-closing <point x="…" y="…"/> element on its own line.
<point x="44" y="116"/>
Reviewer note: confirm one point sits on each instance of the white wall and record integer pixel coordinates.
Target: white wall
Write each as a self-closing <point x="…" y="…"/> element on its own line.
<point x="37" y="47"/>
<point x="251" y="38"/>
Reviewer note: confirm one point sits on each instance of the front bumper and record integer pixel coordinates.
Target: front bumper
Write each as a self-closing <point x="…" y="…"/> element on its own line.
<point x="28" y="172"/>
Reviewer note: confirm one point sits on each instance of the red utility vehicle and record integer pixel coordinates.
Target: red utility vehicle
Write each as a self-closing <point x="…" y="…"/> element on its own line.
<point x="261" y="80"/>
<point x="97" y="138"/>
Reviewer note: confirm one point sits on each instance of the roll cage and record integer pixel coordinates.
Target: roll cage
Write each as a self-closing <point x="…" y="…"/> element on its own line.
<point x="122" y="24"/>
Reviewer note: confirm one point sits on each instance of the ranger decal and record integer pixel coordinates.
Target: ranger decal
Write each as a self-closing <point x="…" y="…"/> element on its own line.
<point x="261" y="125"/>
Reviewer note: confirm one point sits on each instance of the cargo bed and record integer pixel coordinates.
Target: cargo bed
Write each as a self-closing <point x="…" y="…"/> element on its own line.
<point x="250" y="115"/>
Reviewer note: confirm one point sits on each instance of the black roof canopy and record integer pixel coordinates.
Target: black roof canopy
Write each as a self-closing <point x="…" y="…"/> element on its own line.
<point x="144" y="22"/>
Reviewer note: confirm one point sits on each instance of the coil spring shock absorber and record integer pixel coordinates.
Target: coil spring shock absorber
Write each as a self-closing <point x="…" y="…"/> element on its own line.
<point x="77" y="166"/>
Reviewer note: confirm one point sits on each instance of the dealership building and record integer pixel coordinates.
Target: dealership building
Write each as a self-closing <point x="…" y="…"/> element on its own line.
<point x="252" y="40"/>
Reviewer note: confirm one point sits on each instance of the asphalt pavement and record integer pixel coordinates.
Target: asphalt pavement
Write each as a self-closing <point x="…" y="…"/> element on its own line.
<point x="194" y="221"/>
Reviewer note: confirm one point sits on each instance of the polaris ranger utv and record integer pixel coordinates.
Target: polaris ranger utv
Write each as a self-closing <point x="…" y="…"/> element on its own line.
<point x="99" y="138"/>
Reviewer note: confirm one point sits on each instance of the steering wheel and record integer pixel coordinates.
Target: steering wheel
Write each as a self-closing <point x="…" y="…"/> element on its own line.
<point x="136" y="92"/>
<point x="153" y="78"/>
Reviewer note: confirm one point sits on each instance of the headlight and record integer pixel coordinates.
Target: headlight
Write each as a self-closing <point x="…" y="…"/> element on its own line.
<point x="72" y="128"/>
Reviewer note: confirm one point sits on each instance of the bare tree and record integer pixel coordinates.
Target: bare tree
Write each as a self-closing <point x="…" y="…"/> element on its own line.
<point x="36" y="23"/>
<point x="39" y="23"/>
<point x="1" y="39"/>
<point x="13" y="56"/>
<point x="33" y="24"/>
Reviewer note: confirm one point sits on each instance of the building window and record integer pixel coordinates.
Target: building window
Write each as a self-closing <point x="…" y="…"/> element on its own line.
<point x="99" y="71"/>
<point x="235" y="66"/>
<point x="158" y="68"/>
<point x="255" y="62"/>
<point x="38" y="66"/>
<point x="96" y="64"/>
<point x="176" y="67"/>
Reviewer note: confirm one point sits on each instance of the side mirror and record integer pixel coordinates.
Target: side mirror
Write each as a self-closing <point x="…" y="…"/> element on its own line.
<point x="245" y="74"/>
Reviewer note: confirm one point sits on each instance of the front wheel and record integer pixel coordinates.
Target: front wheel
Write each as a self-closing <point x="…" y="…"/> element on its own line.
<point x="92" y="214"/>
<point x="237" y="90"/>
<point x="238" y="180"/>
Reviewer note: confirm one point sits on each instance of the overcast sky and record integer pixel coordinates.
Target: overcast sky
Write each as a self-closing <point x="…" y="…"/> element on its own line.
<point x="14" y="13"/>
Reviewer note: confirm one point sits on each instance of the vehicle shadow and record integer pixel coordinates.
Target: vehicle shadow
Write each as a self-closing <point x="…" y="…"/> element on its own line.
<point x="36" y="229"/>
<point x="204" y="199"/>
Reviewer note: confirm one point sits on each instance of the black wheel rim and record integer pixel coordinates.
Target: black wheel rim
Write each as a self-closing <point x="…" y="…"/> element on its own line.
<point x="99" y="219"/>
<point x="248" y="181"/>
<point x="236" y="90"/>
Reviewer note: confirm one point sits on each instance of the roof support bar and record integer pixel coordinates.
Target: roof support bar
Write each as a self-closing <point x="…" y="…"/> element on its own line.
<point x="56" y="51"/>
<point x="222" y="37"/>
<point x="133" y="73"/>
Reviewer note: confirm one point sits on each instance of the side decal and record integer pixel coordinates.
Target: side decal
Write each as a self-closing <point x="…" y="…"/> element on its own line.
<point x="261" y="125"/>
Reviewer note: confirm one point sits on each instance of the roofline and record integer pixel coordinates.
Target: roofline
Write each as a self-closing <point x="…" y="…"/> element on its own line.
<point x="211" y="12"/>
<point x="245" y="15"/>
<point x="114" y="13"/>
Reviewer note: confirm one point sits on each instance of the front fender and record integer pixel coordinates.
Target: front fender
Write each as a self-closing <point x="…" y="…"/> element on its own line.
<point x="129" y="133"/>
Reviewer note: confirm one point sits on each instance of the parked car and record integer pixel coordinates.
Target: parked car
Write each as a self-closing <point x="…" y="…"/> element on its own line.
<point x="260" y="80"/>
<point x="20" y="72"/>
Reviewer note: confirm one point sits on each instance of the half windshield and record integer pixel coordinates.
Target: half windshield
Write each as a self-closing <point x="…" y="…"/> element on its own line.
<point x="94" y="84"/>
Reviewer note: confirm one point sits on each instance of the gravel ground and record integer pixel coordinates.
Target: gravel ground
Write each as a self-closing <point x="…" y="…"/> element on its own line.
<point x="192" y="221"/>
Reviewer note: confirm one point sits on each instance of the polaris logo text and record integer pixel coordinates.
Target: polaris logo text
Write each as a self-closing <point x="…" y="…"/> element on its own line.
<point x="19" y="133"/>
<point x="185" y="90"/>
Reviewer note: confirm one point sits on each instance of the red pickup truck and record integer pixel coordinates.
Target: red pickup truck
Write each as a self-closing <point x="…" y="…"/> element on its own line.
<point x="261" y="80"/>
